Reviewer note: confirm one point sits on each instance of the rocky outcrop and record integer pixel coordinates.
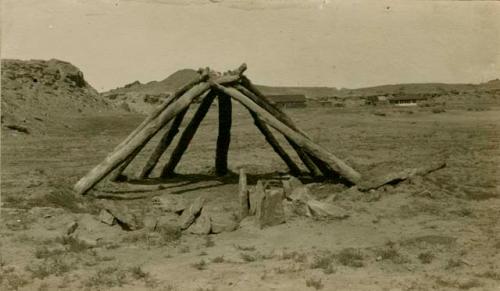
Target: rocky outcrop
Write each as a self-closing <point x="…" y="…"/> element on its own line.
<point x="38" y="94"/>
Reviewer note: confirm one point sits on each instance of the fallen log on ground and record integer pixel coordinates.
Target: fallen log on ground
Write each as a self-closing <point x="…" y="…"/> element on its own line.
<point x="400" y="176"/>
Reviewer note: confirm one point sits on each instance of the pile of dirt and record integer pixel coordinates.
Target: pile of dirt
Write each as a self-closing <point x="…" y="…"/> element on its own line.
<point x="38" y="94"/>
<point x="142" y="98"/>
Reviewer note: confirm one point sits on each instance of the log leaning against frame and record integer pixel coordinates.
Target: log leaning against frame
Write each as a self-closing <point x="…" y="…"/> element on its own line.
<point x="231" y="85"/>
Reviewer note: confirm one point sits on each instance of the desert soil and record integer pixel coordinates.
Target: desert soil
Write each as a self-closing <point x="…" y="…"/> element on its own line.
<point x="437" y="232"/>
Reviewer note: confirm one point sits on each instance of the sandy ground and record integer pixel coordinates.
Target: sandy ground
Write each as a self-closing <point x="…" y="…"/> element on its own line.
<point x="438" y="232"/>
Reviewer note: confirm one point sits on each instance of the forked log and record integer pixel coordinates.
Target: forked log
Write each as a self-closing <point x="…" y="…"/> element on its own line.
<point x="143" y="136"/>
<point x="115" y="175"/>
<point x="224" y="134"/>
<point x="139" y="140"/>
<point x="335" y="163"/>
<point x="188" y="134"/>
<point x="294" y="169"/>
<point x="162" y="146"/>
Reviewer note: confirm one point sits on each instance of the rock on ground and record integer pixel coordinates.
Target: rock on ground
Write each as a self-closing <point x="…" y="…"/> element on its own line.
<point x="202" y="224"/>
<point x="321" y="210"/>
<point x="170" y="203"/>
<point x="290" y="184"/>
<point x="189" y="214"/>
<point x="271" y="210"/>
<point x="106" y="217"/>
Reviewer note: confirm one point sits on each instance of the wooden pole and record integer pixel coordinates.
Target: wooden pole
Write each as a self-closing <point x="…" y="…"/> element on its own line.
<point x="294" y="169"/>
<point x="139" y="140"/>
<point x="305" y="158"/>
<point x="281" y="116"/>
<point x="224" y="134"/>
<point x="188" y="134"/>
<point x="172" y="97"/>
<point x="115" y="175"/>
<point x="162" y="146"/>
<point x="335" y="163"/>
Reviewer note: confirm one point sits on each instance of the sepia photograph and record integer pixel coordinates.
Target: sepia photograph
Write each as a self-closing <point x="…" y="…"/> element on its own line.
<point x="216" y="145"/>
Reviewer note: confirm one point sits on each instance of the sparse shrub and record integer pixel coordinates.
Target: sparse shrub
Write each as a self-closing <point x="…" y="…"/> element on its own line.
<point x="73" y="244"/>
<point x="201" y="265"/>
<point x="426" y="257"/>
<point x="350" y="257"/>
<point x="43" y="252"/>
<point x="296" y="256"/>
<point x="209" y="242"/>
<point x="469" y="284"/>
<point x="390" y="253"/>
<point x="170" y="234"/>
<point x="314" y="283"/>
<point x="108" y="277"/>
<point x="438" y="110"/>
<point x="184" y="249"/>
<point x="378" y="113"/>
<point x="138" y="273"/>
<point x="490" y="275"/>
<point x="452" y="263"/>
<point x="51" y="266"/>
<point x="219" y="259"/>
<point x="322" y="262"/>
<point x="245" y="248"/>
<point x="248" y="258"/>
<point x="14" y="280"/>
<point x="64" y="199"/>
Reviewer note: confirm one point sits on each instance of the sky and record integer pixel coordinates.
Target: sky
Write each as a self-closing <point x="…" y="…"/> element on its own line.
<point x="348" y="44"/>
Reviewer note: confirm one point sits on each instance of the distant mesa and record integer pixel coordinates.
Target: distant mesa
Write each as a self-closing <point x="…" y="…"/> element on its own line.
<point x="141" y="97"/>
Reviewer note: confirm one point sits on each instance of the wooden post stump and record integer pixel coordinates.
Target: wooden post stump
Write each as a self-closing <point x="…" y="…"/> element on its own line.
<point x="243" y="194"/>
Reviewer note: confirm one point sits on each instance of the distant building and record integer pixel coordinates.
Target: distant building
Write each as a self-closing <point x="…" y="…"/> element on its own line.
<point x="376" y="99"/>
<point x="407" y="99"/>
<point x="288" y="101"/>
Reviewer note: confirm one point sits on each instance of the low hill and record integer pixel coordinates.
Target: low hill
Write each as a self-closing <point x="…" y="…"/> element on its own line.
<point x="38" y="94"/>
<point x="309" y="92"/>
<point x="140" y="97"/>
